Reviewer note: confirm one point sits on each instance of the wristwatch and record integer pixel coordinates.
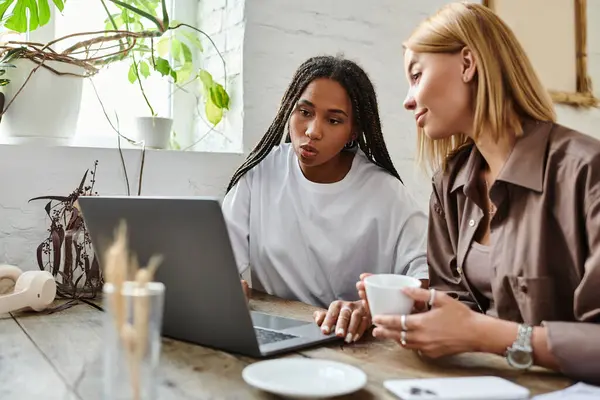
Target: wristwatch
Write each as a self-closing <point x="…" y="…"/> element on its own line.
<point x="520" y="354"/>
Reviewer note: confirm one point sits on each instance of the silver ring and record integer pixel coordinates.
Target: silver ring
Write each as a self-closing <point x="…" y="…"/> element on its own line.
<point x="431" y="297"/>
<point x="403" y="338"/>
<point x="346" y="308"/>
<point x="403" y="322"/>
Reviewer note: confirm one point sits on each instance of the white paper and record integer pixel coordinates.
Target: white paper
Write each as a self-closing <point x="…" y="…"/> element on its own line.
<point x="579" y="391"/>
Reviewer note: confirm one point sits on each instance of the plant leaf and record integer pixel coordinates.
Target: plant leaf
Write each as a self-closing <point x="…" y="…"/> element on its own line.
<point x="163" y="66"/>
<point x="59" y="4"/>
<point x="18" y="21"/>
<point x="68" y="268"/>
<point x="13" y="53"/>
<point x="109" y="22"/>
<point x="80" y="188"/>
<point x="144" y="69"/>
<point x="4" y="82"/>
<point x="147" y="5"/>
<point x="176" y="50"/>
<point x="193" y="39"/>
<point x="44" y="12"/>
<point x="47" y="208"/>
<point x="141" y="13"/>
<point x="131" y="75"/>
<point x="162" y="46"/>
<point x="186" y="53"/>
<point x="219" y="96"/>
<point x="4" y="6"/>
<point x="56" y="249"/>
<point x="214" y="114"/>
<point x="184" y="73"/>
<point x="206" y="78"/>
<point x="39" y="253"/>
<point x="174" y="143"/>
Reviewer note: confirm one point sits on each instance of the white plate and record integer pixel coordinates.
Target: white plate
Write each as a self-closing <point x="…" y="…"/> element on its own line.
<point x="304" y="377"/>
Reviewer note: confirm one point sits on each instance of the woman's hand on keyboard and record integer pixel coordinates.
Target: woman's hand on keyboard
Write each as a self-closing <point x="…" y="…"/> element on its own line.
<point x="349" y="319"/>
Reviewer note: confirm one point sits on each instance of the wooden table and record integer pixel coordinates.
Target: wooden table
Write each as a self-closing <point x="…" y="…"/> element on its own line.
<point x="57" y="356"/>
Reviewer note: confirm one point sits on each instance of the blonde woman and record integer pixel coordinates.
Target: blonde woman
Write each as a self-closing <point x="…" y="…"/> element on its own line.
<point x="514" y="225"/>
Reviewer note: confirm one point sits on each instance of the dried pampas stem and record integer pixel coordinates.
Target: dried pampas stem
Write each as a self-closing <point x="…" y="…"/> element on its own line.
<point x="119" y="268"/>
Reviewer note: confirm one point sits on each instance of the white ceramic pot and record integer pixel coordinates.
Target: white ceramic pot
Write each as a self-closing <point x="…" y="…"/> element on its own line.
<point x="154" y="131"/>
<point x="47" y="107"/>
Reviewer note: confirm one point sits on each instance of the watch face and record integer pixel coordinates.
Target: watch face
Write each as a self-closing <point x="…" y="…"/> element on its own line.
<point x="521" y="358"/>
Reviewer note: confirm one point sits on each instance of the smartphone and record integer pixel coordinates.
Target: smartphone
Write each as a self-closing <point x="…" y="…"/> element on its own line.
<point x="460" y="388"/>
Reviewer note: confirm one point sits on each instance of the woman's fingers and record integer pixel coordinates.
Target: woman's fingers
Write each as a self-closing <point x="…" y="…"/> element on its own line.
<point x="319" y="316"/>
<point x="356" y="324"/>
<point x="331" y="317"/>
<point x="394" y="322"/>
<point x="343" y="320"/>
<point x="364" y="275"/>
<point x="431" y="296"/>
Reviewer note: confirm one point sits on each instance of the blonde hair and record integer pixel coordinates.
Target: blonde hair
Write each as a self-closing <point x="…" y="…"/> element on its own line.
<point x="508" y="88"/>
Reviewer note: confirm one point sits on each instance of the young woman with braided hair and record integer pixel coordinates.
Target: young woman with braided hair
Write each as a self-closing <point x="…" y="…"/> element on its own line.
<point x="308" y="216"/>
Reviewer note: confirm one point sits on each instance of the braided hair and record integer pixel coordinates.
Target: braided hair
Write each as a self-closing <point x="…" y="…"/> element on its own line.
<point x="364" y="111"/>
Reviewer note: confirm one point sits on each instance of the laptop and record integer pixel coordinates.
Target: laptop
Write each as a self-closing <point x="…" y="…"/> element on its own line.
<point x="204" y="300"/>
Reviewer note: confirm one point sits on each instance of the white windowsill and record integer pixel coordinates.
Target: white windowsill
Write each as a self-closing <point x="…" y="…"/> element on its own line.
<point x="96" y="142"/>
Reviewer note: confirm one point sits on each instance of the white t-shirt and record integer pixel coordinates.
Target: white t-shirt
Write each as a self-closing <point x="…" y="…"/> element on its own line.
<point x="310" y="242"/>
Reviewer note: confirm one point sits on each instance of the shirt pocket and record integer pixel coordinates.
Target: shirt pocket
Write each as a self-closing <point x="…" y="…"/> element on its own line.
<point x="535" y="298"/>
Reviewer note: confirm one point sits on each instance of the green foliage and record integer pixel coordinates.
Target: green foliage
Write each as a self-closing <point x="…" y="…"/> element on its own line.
<point x="174" y="144"/>
<point x="15" y="12"/>
<point x="5" y="63"/>
<point x="171" y="54"/>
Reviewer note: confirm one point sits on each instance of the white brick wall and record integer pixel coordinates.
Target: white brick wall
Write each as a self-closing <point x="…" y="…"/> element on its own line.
<point x="223" y="20"/>
<point x="28" y="171"/>
<point x="282" y="34"/>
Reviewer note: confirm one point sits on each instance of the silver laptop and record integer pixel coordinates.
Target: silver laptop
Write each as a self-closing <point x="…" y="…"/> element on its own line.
<point x="204" y="300"/>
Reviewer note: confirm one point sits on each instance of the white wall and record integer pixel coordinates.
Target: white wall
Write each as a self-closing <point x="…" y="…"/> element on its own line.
<point x="224" y="21"/>
<point x="273" y="38"/>
<point x="28" y="171"/>
<point x="280" y="35"/>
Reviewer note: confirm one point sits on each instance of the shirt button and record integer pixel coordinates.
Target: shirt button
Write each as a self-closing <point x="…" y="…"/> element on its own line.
<point x="472" y="222"/>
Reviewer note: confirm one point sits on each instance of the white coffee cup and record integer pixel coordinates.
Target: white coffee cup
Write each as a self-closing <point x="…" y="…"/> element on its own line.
<point x="385" y="296"/>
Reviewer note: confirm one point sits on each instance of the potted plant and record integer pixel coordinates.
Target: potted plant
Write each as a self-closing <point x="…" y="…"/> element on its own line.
<point x="150" y="43"/>
<point x="67" y="252"/>
<point x="53" y="91"/>
<point x="169" y="53"/>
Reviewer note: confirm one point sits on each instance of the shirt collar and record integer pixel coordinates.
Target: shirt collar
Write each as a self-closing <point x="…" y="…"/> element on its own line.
<point x="525" y="165"/>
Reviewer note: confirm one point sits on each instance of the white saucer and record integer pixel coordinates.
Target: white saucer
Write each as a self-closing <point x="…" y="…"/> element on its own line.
<point x="304" y="377"/>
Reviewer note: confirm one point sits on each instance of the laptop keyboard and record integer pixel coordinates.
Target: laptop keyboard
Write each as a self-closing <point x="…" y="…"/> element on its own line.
<point x="265" y="336"/>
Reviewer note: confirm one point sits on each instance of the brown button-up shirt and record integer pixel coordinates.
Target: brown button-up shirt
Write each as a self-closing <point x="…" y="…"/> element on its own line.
<point x="545" y="239"/>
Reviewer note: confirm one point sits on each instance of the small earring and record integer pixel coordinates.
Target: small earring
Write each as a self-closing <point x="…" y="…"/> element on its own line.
<point x="351" y="144"/>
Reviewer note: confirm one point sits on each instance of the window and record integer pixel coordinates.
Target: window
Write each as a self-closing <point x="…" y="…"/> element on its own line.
<point x="119" y="96"/>
<point x="110" y="90"/>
